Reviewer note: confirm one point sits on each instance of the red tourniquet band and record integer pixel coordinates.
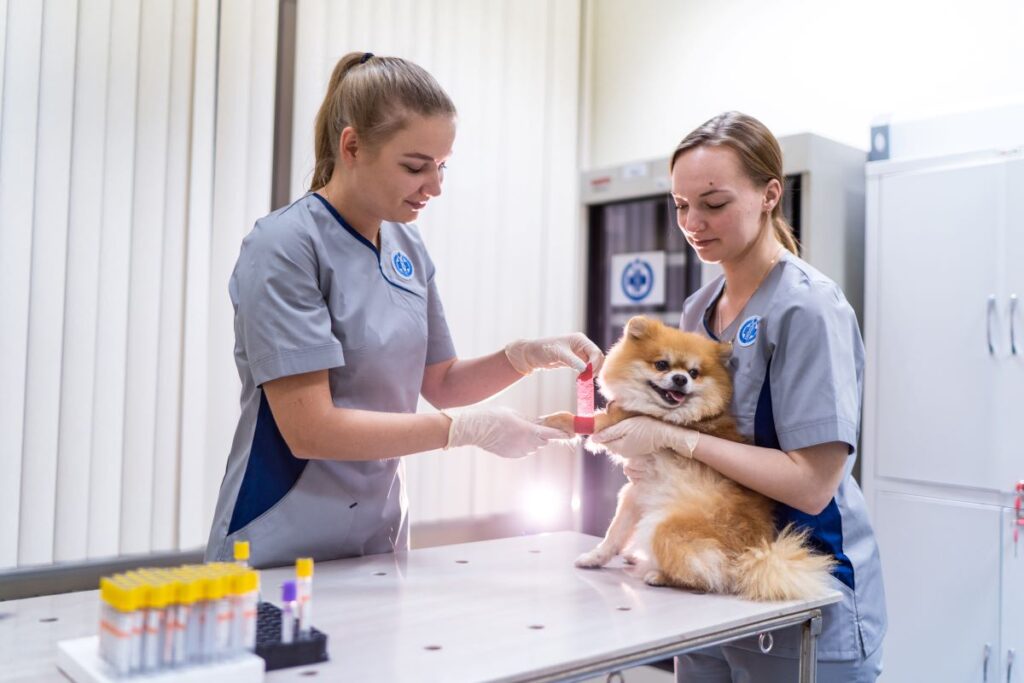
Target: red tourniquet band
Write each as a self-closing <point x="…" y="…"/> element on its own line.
<point x="583" y="422"/>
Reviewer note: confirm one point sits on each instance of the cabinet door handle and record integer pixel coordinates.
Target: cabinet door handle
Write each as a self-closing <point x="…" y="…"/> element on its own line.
<point x="984" y="664"/>
<point x="988" y="323"/>
<point x="1009" y="665"/>
<point x="1013" y="316"/>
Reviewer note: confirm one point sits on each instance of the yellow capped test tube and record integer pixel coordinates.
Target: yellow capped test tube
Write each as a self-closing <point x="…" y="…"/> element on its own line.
<point x="245" y="585"/>
<point x="119" y="606"/>
<point x="242" y="553"/>
<point x="304" y="588"/>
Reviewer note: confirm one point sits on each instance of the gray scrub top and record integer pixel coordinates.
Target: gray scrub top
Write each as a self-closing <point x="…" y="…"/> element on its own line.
<point x="310" y="293"/>
<point x="798" y="368"/>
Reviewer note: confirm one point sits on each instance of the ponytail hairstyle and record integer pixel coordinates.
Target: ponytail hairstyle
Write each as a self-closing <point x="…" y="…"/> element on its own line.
<point x="375" y="96"/>
<point x="759" y="153"/>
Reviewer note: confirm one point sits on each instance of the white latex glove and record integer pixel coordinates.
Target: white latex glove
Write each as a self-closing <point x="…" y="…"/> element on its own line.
<point x="501" y="431"/>
<point x="572" y="350"/>
<point x="639" y="436"/>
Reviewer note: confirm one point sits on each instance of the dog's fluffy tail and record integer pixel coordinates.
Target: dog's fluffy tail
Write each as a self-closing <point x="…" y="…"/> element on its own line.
<point x="784" y="569"/>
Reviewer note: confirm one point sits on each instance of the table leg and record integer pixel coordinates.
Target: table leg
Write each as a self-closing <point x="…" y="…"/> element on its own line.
<point x="809" y="649"/>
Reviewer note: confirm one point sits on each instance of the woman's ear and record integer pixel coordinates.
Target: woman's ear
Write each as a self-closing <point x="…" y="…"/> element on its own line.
<point x="349" y="145"/>
<point x="772" y="195"/>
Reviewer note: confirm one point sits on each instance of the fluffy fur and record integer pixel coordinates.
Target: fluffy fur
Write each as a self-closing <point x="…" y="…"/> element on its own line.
<point x="685" y="524"/>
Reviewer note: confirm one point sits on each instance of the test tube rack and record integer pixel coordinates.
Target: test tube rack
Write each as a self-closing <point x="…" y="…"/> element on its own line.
<point x="278" y="655"/>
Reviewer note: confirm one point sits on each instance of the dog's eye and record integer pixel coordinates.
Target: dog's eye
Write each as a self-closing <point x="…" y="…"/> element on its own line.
<point x="694" y="372"/>
<point x="661" y="365"/>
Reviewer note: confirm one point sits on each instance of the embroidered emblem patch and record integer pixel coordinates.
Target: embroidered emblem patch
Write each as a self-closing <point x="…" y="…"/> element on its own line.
<point x="748" y="331"/>
<point x="402" y="265"/>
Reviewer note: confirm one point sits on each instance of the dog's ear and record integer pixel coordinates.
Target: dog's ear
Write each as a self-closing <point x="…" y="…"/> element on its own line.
<point x="639" y="327"/>
<point x="724" y="352"/>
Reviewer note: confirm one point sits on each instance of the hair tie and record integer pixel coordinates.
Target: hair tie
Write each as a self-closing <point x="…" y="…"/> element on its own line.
<point x="366" y="57"/>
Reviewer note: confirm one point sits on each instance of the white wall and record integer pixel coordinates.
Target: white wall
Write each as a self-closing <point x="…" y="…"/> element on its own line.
<point x="659" y="68"/>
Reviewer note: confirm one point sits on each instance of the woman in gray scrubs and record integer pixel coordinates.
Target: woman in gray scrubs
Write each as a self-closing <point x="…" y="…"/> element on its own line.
<point x="797" y="364"/>
<point x="339" y="329"/>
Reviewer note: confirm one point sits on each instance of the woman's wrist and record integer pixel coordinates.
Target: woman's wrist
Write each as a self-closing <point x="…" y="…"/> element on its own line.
<point x="691" y="439"/>
<point x="445" y="422"/>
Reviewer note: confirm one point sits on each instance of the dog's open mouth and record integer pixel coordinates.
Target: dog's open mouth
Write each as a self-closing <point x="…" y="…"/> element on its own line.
<point x="672" y="398"/>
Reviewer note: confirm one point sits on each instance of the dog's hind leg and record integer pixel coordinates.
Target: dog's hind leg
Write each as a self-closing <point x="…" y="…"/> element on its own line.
<point x="690" y="559"/>
<point x="627" y="513"/>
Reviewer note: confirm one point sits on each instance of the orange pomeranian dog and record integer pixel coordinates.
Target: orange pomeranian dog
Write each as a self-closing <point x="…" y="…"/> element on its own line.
<point x="684" y="524"/>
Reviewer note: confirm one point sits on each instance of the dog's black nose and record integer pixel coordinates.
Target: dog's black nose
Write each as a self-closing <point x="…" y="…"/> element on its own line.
<point x="680" y="380"/>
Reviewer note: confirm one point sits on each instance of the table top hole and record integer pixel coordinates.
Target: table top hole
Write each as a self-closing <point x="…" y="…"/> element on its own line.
<point x="380" y="573"/>
<point x="536" y="627"/>
<point x="623" y="609"/>
<point x="432" y="647"/>
<point x="48" y="620"/>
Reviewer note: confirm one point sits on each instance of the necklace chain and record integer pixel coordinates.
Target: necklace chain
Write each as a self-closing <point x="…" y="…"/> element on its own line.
<point x="719" y="327"/>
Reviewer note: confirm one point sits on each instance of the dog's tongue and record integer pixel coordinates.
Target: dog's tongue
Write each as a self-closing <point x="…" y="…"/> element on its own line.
<point x="677" y="396"/>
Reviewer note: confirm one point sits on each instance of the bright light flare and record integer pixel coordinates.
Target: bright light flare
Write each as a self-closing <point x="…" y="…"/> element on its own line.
<point x="543" y="503"/>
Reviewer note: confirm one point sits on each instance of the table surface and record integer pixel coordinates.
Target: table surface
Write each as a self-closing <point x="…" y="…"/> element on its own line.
<point x="493" y="610"/>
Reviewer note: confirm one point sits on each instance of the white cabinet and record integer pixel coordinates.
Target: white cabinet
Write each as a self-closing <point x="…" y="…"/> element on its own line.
<point x="1013" y="612"/>
<point x="941" y="564"/>
<point x="943" y="439"/>
<point x="937" y="274"/>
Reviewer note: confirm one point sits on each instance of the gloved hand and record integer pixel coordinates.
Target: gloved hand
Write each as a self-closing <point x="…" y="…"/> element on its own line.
<point x="572" y="350"/>
<point x="638" y="436"/>
<point x="501" y="431"/>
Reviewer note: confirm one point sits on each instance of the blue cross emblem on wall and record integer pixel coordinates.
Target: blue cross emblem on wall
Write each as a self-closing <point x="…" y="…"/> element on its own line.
<point x="637" y="279"/>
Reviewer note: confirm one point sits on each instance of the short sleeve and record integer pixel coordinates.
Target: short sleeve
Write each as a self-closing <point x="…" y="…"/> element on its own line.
<point x="816" y="370"/>
<point x="281" y="318"/>
<point x="439" y="339"/>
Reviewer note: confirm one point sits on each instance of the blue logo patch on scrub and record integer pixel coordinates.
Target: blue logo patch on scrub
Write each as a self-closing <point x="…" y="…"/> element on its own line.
<point x="402" y="264"/>
<point x="748" y="331"/>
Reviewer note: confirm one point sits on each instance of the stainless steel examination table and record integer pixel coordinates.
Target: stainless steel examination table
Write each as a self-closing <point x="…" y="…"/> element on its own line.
<point x="513" y="609"/>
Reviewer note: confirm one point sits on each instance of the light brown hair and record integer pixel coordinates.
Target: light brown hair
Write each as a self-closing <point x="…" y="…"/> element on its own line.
<point x="375" y="96"/>
<point x="758" y="151"/>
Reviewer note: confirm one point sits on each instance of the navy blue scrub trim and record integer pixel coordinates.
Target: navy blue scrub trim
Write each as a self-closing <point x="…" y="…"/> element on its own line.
<point x="355" y="233"/>
<point x="270" y="472"/>
<point x="827" y="526"/>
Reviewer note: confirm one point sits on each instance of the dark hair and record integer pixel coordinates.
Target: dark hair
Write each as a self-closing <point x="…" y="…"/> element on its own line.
<point x="759" y="153"/>
<point x="374" y="95"/>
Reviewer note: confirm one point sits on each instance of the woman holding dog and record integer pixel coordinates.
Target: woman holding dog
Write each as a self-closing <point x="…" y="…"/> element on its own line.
<point x="339" y="329"/>
<point x="797" y="365"/>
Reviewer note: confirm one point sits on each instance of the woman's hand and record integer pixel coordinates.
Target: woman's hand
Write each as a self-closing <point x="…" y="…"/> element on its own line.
<point x="639" y="436"/>
<point x="501" y="431"/>
<point x="570" y="350"/>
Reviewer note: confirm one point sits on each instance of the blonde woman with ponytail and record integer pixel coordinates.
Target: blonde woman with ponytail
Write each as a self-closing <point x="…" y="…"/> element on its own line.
<point x="797" y="362"/>
<point x="339" y="329"/>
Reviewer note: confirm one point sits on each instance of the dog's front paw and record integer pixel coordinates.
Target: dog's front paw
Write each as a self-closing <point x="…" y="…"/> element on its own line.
<point x="562" y="421"/>
<point x="593" y="559"/>
<point x="655" y="578"/>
